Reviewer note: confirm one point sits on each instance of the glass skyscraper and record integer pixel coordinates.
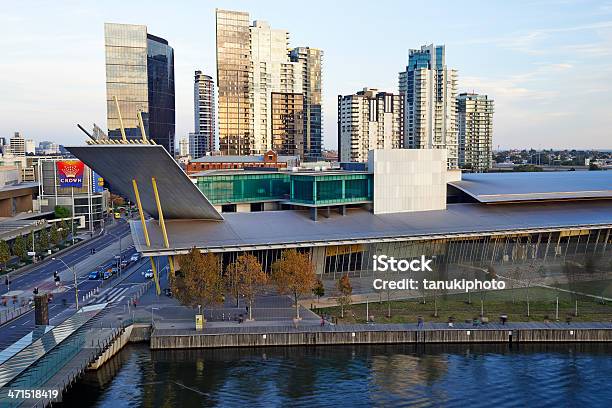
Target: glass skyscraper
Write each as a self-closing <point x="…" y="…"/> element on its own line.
<point x="140" y="73"/>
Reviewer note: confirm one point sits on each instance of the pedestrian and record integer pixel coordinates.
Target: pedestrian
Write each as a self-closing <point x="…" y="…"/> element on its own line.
<point x="247" y="310"/>
<point x="322" y="322"/>
<point x="420" y="322"/>
<point x="134" y="303"/>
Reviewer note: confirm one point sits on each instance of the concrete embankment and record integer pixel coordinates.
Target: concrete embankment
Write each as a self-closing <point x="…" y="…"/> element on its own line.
<point x="381" y="334"/>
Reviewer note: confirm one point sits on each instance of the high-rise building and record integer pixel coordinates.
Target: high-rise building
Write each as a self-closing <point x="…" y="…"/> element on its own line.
<point x="287" y="123"/>
<point x="429" y="91"/>
<point x="311" y="60"/>
<point x="17" y="145"/>
<point x="183" y="147"/>
<point x="47" y="148"/>
<point x="30" y="146"/>
<point x="140" y="74"/>
<point x="273" y="71"/>
<point x="202" y="141"/>
<point x="368" y="120"/>
<point x="234" y="81"/>
<point x="253" y="63"/>
<point x="475" y="124"/>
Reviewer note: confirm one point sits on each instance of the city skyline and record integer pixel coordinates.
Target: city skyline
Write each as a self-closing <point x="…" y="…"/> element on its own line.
<point x="531" y="60"/>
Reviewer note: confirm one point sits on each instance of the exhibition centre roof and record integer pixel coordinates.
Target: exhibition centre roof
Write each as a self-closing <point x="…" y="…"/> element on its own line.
<point x="509" y="187"/>
<point x="280" y="229"/>
<point x="119" y="164"/>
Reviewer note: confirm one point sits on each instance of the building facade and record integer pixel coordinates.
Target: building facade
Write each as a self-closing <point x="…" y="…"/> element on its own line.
<point x="475" y="124"/>
<point x="17" y="145"/>
<point x="287" y="123"/>
<point x="311" y="60"/>
<point x="202" y="141"/>
<point x="428" y="88"/>
<point x="183" y="147"/>
<point x="253" y="62"/>
<point x="269" y="160"/>
<point x="234" y="73"/>
<point x="368" y="120"/>
<point x="140" y="74"/>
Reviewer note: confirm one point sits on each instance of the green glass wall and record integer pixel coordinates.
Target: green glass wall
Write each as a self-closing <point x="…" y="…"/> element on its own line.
<point x="331" y="189"/>
<point x="244" y="188"/>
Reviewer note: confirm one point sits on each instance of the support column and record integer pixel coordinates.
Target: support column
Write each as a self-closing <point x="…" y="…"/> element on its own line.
<point x="313" y="213"/>
<point x="146" y="234"/>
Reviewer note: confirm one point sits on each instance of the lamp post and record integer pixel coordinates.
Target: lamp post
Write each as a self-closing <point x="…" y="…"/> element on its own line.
<point x="76" y="288"/>
<point x="152" y="309"/>
<point x="118" y="237"/>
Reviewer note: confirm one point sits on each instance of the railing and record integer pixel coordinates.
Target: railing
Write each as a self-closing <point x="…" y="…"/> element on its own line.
<point x="8" y="315"/>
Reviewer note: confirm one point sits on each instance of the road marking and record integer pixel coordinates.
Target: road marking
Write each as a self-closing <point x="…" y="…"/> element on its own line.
<point x="27" y="322"/>
<point x="120" y="299"/>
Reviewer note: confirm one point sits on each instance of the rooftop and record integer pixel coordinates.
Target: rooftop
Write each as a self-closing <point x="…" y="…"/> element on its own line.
<point x="294" y="228"/>
<point x="241" y="159"/>
<point x="509" y="187"/>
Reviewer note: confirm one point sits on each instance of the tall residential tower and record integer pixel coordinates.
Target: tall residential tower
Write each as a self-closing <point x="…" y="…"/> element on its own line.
<point x="140" y="74"/>
<point x="202" y="141"/>
<point x="368" y="120"/>
<point x="475" y="123"/>
<point x="264" y="87"/>
<point x="429" y="91"/>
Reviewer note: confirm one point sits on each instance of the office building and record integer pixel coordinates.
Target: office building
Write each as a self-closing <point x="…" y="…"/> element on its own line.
<point x="253" y="62"/>
<point x="269" y="160"/>
<point x="183" y="149"/>
<point x="475" y="125"/>
<point x="47" y="148"/>
<point x="17" y="145"/>
<point x="234" y="82"/>
<point x="428" y="88"/>
<point x="30" y="146"/>
<point x="140" y="74"/>
<point x="311" y="61"/>
<point x="368" y="120"/>
<point x="407" y="204"/>
<point x="202" y="141"/>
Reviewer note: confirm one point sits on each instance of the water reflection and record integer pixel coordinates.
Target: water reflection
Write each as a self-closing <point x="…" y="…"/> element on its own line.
<point x="384" y="375"/>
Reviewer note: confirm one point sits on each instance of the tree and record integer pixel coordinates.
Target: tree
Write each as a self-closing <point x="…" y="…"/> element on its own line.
<point x="61" y="212"/>
<point x="232" y="281"/>
<point x="250" y="277"/>
<point x="55" y="235"/>
<point x="294" y="274"/>
<point x="43" y="240"/>
<point x="20" y="248"/>
<point x="346" y="290"/>
<point x="5" y="253"/>
<point x="200" y="282"/>
<point x="318" y="290"/>
<point x="64" y="230"/>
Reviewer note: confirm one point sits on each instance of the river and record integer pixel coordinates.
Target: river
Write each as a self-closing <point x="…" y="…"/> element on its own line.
<point x="353" y="376"/>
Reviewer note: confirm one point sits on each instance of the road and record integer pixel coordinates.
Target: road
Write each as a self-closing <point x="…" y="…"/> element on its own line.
<point x="116" y="290"/>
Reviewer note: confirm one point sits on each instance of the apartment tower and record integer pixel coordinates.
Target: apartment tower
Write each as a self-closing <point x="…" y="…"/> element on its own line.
<point x="475" y="124"/>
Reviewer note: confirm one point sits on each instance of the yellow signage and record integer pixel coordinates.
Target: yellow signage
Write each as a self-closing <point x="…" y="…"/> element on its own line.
<point x="199" y="322"/>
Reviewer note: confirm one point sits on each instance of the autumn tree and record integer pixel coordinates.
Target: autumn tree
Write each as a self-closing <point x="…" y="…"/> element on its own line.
<point x="232" y="281"/>
<point x="346" y="290"/>
<point x="200" y="281"/>
<point x="64" y="230"/>
<point x="318" y="290"/>
<point x="250" y="278"/>
<point x="20" y="248"/>
<point x="5" y="253"/>
<point x="294" y="274"/>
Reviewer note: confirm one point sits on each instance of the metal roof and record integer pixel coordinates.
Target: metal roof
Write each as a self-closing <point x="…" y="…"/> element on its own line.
<point x="294" y="228"/>
<point x="507" y="187"/>
<point x="119" y="164"/>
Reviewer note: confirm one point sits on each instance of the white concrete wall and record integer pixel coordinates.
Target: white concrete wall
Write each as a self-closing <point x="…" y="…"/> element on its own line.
<point x="243" y="207"/>
<point x="408" y="179"/>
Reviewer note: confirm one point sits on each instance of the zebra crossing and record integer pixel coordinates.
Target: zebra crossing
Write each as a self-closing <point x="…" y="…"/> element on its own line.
<point x="115" y="295"/>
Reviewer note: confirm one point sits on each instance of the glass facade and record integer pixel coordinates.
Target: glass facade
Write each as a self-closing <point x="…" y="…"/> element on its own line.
<point x="202" y="141"/>
<point x="244" y="188"/>
<point x="140" y="73"/>
<point x="311" y="60"/>
<point x="287" y="123"/>
<point x="331" y="189"/>
<point x="234" y="73"/>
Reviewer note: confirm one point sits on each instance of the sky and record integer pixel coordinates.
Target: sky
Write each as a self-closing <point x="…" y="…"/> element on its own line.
<point x="547" y="64"/>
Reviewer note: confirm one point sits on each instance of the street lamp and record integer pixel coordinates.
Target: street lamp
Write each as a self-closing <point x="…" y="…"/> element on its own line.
<point x="76" y="288"/>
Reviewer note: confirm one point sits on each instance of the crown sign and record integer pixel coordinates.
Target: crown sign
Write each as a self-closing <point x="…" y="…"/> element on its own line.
<point x="71" y="170"/>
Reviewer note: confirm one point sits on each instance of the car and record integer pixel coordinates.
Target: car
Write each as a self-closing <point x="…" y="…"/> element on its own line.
<point x="135" y="257"/>
<point x="148" y="274"/>
<point x="125" y="263"/>
<point x="94" y="275"/>
<point x="168" y="292"/>
<point x="106" y="275"/>
<point x="114" y="270"/>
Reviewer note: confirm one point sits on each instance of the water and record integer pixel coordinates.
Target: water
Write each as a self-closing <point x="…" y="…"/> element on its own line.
<point x="354" y="376"/>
